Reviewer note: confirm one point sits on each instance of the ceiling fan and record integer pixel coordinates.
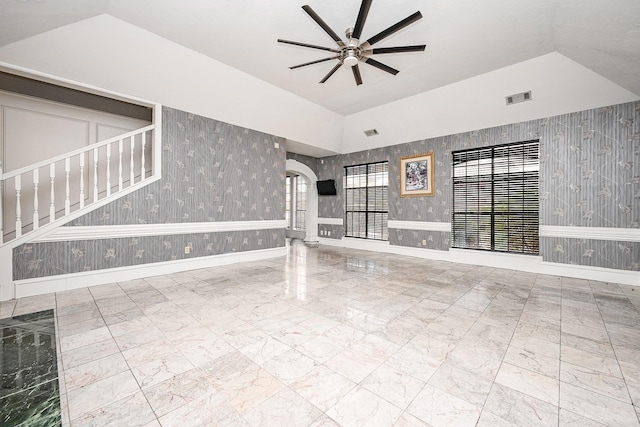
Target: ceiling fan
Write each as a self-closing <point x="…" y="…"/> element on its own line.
<point x="352" y="51"/>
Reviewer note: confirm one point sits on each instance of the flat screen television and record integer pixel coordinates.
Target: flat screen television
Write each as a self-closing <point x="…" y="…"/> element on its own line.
<point x="326" y="187"/>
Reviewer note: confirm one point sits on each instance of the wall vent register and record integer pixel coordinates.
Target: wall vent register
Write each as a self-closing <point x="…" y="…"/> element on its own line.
<point x="518" y="97"/>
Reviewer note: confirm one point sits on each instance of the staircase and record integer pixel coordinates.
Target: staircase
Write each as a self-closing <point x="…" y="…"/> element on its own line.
<point x="45" y="195"/>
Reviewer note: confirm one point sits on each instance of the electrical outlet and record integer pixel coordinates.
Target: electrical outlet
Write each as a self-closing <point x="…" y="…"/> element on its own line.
<point x="187" y="250"/>
<point x="424" y="242"/>
<point x="276" y="145"/>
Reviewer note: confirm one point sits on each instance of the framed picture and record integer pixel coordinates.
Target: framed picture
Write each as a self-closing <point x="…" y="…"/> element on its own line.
<point x="417" y="175"/>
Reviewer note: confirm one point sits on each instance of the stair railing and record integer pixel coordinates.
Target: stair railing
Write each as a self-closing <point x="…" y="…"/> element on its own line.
<point x="88" y="175"/>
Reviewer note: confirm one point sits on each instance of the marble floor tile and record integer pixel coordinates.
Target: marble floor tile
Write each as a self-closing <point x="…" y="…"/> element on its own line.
<point x="7" y="308"/>
<point x="79" y="327"/>
<point x="100" y="393"/>
<point x="533" y="361"/>
<point x="438" y="408"/>
<point x="393" y="385"/>
<point x="178" y="391"/>
<point x="360" y="407"/>
<point x="462" y="384"/>
<point x="250" y="388"/>
<point x="132" y="411"/>
<point x="518" y="408"/>
<point x="86" y="312"/>
<point x="83" y="375"/>
<point x="631" y="374"/>
<point x="89" y="353"/>
<point x="595" y="381"/>
<point x="529" y="382"/>
<point x="323" y="387"/>
<point x="211" y="409"/>
<point x="414" y="362"/>
<point x="408" y="420"/>
<point x="330" y="337"/>
<point x="596" y="406"/>
<point x="290" y="366"/>
<point x="285" y="408"/>
<point x="82" y="339"/>
<point x="570" y="419"/>
<point x="160" y="369"/>
<point x="264" y="350"/>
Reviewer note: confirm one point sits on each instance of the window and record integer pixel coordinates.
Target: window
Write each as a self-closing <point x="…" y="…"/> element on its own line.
<point x="367" y="201"/>
<point x="300" y="203"/>
<point x="287" y="215"/>
<point x="495" y="198"/>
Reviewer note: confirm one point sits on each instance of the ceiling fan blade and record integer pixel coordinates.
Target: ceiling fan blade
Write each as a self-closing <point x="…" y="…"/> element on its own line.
<point x="322" y="24"/>
<point x="313" y="62"/>
<point x="394" y="28"/>
<point x="312" y="46"/>
<point x="362" y="17"/>
<point x="330" y="73"/>
<point x="381" y="66"/>
<point x="356" y="74"/>
<point x="399" y="49"/>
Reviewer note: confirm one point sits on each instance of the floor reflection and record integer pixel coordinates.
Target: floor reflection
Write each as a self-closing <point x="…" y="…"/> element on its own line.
<point x="29" y="392"/>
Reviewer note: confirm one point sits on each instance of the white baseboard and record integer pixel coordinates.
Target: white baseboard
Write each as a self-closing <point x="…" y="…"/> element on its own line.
<point x="528" y="263"/>
<point x="420" y="225"/>
<point x="65" y="282"/>
<point x="330" y="221"/>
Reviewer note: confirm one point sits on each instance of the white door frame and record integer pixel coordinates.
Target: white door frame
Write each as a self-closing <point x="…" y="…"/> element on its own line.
<point x="312" y="197"/>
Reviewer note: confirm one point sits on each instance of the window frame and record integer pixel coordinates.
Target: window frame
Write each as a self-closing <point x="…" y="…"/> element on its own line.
<point x="384" y="229"/>
<point x="528" y="215"/>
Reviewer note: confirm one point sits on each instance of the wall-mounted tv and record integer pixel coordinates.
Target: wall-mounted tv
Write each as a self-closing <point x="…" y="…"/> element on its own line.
<point x="326" y="187"/>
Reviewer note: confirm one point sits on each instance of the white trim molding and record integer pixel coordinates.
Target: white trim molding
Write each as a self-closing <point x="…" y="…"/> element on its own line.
<point x="420" y="225"/>
<point x="528" y="263"/>
<point x="65" y="282"/>
<point x="592" y="233"/>
<point x="311" y="226"/>
<point x="63" y="234"/>
<point x="331" y="221"/>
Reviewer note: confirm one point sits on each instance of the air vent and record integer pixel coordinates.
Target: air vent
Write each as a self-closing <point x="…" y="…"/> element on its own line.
<point x="518" y="97"/>
<point x="371" y="132"/>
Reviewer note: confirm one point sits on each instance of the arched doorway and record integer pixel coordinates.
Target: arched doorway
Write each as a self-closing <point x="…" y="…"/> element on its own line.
<point x="310" y="178"/>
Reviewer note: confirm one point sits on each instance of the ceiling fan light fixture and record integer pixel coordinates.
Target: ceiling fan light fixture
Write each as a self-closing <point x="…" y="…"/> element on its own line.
<point x="352" y="52"/>
<point x="351" y="59"/>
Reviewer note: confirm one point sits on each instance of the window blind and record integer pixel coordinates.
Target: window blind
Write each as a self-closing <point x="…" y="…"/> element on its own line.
<point x="495" y="198"/>
<point x="367" y="201"/>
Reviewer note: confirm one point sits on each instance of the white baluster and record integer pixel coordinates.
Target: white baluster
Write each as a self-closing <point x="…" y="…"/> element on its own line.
<point x="81" y="180"/>
<point x="133" y="146"/>
<point x="95" y="174"/>
<point x="120" y="165"/>
<point x="67" y="196"/>
<point x="108" y="147"/>
<point x="144" y="142"/>
<point x="52" y="206"/>
<point x="36" y="214"/>
<point x="18" y="182"/>
<point x="1" y="219"/>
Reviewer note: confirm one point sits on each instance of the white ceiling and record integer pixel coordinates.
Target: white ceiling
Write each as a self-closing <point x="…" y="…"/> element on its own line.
<point x="464" y="38"/>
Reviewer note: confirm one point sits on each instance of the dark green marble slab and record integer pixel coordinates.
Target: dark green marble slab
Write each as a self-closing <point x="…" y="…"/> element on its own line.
<point x="29" y="394"/>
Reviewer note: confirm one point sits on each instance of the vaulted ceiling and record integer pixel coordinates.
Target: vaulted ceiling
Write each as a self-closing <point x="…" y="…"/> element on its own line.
<point x="464" y="38"/>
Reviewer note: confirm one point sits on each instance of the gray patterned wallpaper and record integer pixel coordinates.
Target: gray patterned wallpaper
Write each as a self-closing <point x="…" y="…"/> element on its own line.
<point x="312" y="162"/>
<point x="589" y="176"/>
<point x="211" y="171"/>
<point x="51" y="259"/>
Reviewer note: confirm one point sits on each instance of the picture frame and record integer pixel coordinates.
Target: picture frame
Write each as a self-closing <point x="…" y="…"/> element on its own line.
<point x="417" y="176"/>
